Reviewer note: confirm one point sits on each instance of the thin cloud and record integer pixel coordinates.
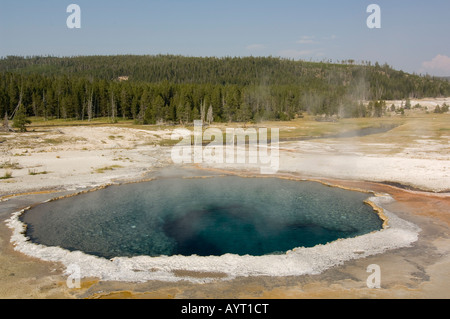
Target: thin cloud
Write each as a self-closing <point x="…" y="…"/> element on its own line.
<point x="253" y="47"/>
<point x="306" y="39"/>
<point x="439" y="65"/>
<point x="297" y="54"/>
<point x="332" y="37"/>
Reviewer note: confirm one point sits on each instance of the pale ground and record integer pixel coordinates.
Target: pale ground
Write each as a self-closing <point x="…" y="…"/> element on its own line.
<point x="78" y="157"/>
<point x="428" y="104"/>
<point x="66" y="159"/>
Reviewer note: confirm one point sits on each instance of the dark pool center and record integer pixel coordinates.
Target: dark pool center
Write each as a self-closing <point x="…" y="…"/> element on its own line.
<point x="202" y="216"/>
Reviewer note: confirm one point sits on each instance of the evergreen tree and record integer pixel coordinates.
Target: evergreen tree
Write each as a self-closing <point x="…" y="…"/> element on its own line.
<point x="437" y="109"/>
<point x="238" y="89"/>
<point x="408" y="104"/>
<point x="160" y="112"/>
<point x="20" y="119"/>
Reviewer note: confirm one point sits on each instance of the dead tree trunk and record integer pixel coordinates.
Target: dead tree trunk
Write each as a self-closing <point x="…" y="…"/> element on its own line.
<point x="5" y="127"/>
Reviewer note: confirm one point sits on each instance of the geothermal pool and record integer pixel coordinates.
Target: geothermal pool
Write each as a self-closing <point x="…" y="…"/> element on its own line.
<point x="201" y="216"/>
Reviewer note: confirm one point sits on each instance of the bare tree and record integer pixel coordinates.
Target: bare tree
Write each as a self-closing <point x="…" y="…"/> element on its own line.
<point x="44" y="105"/>
<point x="6" y="127"/>
<point x="89" y="105"/>
<point x="202" y="111"/>
<point x="18" y="104"/>
<point x="113" y="108"/>
<point x="209" y="116"/>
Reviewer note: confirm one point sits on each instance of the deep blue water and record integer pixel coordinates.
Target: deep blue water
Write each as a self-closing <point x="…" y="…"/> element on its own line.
<point x="211" y="216"/>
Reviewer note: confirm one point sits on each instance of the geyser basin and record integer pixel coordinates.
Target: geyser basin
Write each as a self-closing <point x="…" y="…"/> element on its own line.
<point x="201" y="216"/>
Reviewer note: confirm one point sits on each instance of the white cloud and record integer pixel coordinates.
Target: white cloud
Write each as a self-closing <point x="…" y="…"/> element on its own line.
<point x="306" y="39"/>
<point x="332" y="37"/>
<point x="253" y="47"/>
<point x="439" y="66"/>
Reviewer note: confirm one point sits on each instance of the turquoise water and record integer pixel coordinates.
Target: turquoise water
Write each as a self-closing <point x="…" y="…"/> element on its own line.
<point x="212" y="216"/>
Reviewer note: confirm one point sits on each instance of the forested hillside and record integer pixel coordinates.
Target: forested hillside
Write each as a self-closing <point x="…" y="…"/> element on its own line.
<point x="179" y="89"/>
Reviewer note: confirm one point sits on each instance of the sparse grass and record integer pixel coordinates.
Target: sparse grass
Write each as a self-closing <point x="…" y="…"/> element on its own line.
<point x="61" y="140"/>
<point x="306" y="127"/>
<point x="164" y="142"/>
<point x="34" y="172"/>
<point x="113" y="137"/>
<point x="10" y="165"/>
<point x="107" y="168"/>
<point x="7" y="175"/>
<point x="102" y="121"/>
<point x="122" y="159"/>
<point x="54" y="141"/>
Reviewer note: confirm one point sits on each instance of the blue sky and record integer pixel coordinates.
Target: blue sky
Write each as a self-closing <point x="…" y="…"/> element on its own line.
<point x="414" y="35"/>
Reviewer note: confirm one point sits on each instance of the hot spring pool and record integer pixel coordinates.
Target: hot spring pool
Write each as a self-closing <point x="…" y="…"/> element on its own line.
<point x="201" y="216"/>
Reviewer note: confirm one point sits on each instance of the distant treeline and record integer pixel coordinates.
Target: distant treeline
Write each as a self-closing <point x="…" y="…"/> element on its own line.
<point x="181" y="89"/>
